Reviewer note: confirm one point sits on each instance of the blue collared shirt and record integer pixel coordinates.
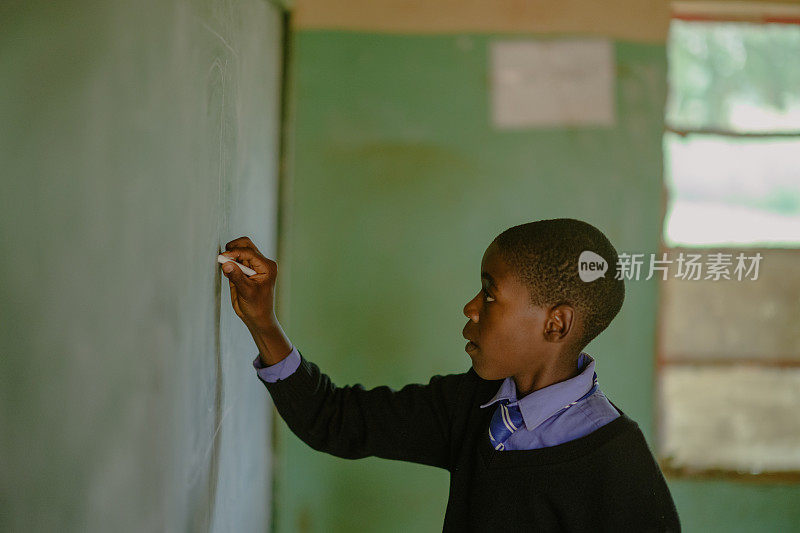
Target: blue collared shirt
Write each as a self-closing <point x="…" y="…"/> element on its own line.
<point x="544" y="425"/>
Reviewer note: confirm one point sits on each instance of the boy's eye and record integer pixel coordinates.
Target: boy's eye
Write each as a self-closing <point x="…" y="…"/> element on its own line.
<point x="488" y="297"/>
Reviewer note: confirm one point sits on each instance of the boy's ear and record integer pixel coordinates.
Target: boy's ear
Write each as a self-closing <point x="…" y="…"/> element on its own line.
<point x="559" y="322"/>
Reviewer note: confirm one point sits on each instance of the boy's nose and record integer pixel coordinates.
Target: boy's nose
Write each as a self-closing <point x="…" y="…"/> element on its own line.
<point x="471" y="310"/>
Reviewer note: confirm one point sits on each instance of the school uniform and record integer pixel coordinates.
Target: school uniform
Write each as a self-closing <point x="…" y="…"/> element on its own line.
<point x="563" y="458"/>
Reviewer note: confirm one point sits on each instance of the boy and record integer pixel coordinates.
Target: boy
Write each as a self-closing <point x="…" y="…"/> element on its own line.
<point x="530" y="441"/>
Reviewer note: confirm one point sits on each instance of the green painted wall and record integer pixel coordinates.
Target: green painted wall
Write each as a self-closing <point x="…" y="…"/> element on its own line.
<point x="399" y="182"/>
<point x="136" y="139"/>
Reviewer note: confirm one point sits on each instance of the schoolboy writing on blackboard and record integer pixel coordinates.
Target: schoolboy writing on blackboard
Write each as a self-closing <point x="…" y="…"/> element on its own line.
<point x="530" y="441"/>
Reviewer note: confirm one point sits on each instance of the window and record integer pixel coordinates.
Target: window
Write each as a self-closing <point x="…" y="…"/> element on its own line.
<point x="728" y="356"/>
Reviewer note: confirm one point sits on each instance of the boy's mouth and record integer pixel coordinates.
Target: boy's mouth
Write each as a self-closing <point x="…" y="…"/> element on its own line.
<point x="471" y="345"/>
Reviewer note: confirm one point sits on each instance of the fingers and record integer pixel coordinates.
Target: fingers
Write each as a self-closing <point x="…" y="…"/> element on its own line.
<point x="244" y="251"/>
<point x="253" y="259"/>
<point x="234" y="302"/>
<point x="241" y="285"/>
<point x="241" y="242"/>
<point x="233" y="291"/>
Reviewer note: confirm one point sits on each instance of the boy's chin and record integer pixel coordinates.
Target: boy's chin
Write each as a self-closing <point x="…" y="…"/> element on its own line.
<point x="483" y="373"/>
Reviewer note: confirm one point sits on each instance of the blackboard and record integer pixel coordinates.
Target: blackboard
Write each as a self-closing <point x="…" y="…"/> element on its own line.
<point x="137" y="139"/>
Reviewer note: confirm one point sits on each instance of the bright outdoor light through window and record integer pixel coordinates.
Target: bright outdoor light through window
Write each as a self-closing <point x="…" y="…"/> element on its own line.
<point x="728" y="80"/>
<point x="725" y="191"/>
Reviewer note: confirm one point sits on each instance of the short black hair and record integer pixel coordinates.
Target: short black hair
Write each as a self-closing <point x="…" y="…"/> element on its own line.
<point x="544" y="255"/>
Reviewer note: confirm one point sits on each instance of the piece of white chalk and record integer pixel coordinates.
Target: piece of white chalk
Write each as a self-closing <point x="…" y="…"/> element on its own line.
<point x="224" y="259"/>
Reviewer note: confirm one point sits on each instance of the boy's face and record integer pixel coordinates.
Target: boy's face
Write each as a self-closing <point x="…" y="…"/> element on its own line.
<point x="507" y="331"/>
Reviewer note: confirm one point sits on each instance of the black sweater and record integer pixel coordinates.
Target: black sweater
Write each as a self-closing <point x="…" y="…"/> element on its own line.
<point x="607" y="480"/>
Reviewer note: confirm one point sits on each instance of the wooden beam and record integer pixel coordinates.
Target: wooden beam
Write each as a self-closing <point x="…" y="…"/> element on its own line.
<point x="787" y="12"/>
<point x="632" y="20"/>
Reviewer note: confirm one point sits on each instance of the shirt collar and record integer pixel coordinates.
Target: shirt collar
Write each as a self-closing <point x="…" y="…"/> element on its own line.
<point x="541" y="404"/>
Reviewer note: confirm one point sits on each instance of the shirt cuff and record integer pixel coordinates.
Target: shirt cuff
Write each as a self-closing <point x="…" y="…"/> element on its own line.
<point x="280" y="370"/>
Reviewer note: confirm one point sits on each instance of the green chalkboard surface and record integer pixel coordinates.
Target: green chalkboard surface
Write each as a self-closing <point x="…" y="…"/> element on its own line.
<point x="136" y="139"/>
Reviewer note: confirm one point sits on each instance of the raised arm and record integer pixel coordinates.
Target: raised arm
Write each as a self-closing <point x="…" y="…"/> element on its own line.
<point x="410" y="424"/>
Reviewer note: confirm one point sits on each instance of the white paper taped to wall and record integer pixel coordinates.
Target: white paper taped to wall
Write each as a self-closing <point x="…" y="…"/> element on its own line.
<point x="549" y="83"/>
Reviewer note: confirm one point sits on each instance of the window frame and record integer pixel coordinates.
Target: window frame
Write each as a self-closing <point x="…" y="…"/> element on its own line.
<point x="697" y="11"/>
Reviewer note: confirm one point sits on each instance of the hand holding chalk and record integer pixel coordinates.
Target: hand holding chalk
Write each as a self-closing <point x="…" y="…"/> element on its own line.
<point x="253" y="298"/>
<point x="252" y="284"/>
<point x="222" y="259"/>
